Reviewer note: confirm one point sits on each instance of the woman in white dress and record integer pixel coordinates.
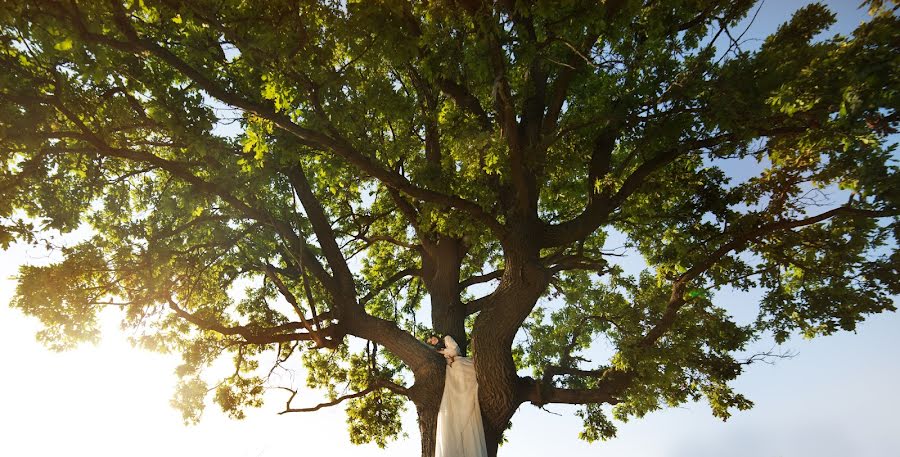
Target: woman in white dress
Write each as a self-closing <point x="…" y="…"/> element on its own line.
<point x="459" y="429"/>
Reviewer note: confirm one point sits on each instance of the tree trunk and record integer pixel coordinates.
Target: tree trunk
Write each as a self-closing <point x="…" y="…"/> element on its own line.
<point x="427" y="398"/>
<point x="428" y="428"/>
<point x="426" y="395"/>
<point x="492" y="439"/>
<point x="441" y="264"/>
<point x="499" y="392"/>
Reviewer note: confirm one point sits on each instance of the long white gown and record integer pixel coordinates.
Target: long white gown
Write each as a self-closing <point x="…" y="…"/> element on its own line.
<point x="460" y="432"/>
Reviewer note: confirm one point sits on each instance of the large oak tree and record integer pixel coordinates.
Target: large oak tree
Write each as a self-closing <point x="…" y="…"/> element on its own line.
<point x="295" y="179"/>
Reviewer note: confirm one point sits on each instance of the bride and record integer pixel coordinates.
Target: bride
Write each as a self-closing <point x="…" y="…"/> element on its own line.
<point x="459" y="429"/>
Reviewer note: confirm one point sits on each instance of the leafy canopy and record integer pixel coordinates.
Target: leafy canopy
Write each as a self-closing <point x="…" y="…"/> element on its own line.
<point x="276" y="180"/>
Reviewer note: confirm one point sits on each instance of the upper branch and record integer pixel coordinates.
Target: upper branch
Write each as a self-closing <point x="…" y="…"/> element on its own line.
<point x="738" y="242"/>
<point x="253" y="334"/>
<point x="599" y="207"/>
<point x="136" y="44"/>
<point x="321" y="226"/>
<point x="390" y="281"/>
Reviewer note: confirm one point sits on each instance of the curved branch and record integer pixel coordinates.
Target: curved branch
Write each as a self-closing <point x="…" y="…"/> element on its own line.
<point x="307" y="137"/>
<point x="478" y="279"/>
<point x="181" y="171"/>
<point x="598" y="208"/>
<point x="390" y="281"/>
<point x="253" y="334"/>
<point x="676" y="300"/>
<point x="376" y="385"/>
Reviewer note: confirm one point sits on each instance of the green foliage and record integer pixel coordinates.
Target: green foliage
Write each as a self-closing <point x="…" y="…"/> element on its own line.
<point x="375" y="418"/>
<point x="596" y="425"/>
<point x="65" y="296"/>
<point x="173" y="133"/>
<point x="189" y="398"/>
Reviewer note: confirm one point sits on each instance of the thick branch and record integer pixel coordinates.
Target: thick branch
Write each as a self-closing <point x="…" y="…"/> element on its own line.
<point x="478" y="279"/>
<point x="321" y="226"/>
<point x="465" y="100"/>
<point x="560" y="88"/>
<point x="253" y="334"/>
<point x="612" y="383"/>
<point x="478" y="304"/>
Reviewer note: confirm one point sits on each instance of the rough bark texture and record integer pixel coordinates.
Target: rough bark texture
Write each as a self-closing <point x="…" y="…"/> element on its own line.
<point x="523" y="281"/>
<point x="441" y="262"/>
<point x="427" y="418"/>
<point x="495" y="327"/>
<point x="426" y="396"/>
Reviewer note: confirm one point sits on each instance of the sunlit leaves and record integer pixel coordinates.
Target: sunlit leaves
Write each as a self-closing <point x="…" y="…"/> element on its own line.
<point x="64" y="45"/>
<point x="67" y="296"/>
<point x="189" y="399"/>
<point x="375" y="418"/>
<point x="597" y="425"/>
<point x="810" y="292"/>
<point x="142" y="142"/>
<point x="237" y="394"/>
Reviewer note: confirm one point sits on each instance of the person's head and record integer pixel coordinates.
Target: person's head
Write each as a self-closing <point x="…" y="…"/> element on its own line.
<point x="433" y="339"/>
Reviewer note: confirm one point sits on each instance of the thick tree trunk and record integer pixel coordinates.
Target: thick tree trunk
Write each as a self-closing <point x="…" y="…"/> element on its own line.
<point x="498" y="383"/>
<point x="523" y="282"/>
<point x="426" y="394"/>
<point x="427" y="398"/>
<point x="441" y="264"/>
<point x="428" y="428"/>
<point x="492" y="438"/>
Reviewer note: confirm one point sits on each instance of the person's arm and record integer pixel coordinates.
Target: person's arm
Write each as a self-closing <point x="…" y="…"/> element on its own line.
<point x="451" y="351"/>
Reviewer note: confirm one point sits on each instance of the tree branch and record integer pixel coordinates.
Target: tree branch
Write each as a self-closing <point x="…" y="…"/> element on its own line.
<point x="286" y="293"/>
<point x="389" y="281"/>
<point x="598" y="209"/>
<point x="676" y="300"/>
<point x="376" y="385"/>
<point x="322" y="227"/>
<point x="478" y="279"/>
<point x="611" y="384"/>
<point x="307" y="137"/>
<point x="253" y="334"/>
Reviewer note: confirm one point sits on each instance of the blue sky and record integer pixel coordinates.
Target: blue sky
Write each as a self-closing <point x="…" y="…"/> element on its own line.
<point x="836" y="397"/>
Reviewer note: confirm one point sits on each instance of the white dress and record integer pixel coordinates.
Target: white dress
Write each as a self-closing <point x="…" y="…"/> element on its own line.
<point x="459" y="429"/>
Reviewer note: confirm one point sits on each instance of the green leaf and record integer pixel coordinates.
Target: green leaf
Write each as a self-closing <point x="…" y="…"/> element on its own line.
<point x="64" y="45"/>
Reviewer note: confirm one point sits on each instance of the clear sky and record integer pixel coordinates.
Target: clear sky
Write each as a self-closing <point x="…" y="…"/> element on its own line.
<point x="836" y="397"/>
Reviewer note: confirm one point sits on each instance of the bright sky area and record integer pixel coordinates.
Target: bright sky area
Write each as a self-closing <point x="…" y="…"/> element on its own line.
<point x="836" y="397"/>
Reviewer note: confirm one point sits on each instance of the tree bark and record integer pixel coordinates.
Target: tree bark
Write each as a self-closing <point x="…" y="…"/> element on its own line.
<point x="441" y="263"/>
<point x="524" y="281"/>
<point x="492" y="439"/>
<point x="427" y="418"/>
<point x="426" y="394"/>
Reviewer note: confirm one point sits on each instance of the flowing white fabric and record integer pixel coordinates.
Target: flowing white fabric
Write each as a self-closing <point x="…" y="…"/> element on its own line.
<point x="459" y="429"/>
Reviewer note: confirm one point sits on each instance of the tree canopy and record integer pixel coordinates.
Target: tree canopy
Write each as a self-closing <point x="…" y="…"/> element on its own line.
<point x="331" y="181"/>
